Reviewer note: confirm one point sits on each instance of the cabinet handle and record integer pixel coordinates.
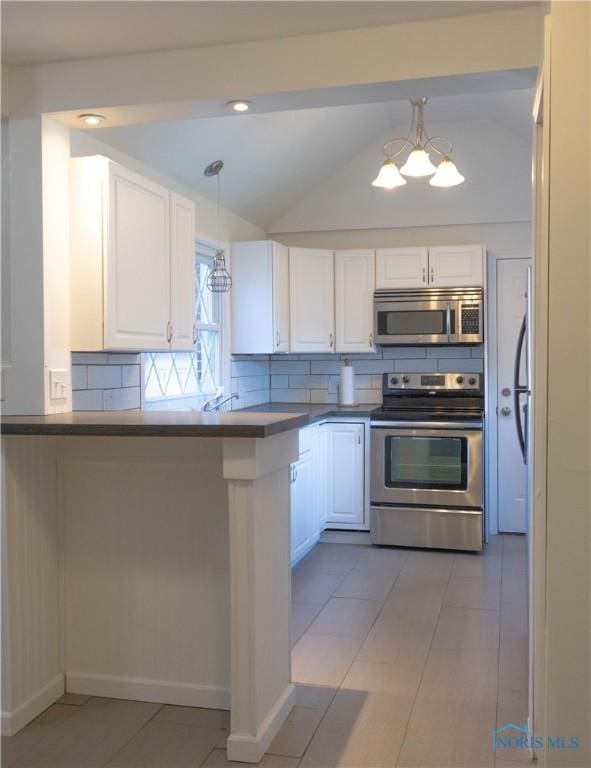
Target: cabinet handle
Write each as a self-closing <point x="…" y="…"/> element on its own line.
<point x="195" y="333"/>
<point x="331" y="341"/>
<point x="358" y="438"/>
<point x="278" y="337"/>
<point x="424" y="274"/>
<point x="371" y="339"/>
<point x="169" y="331"/>
<point x="432" y="275"/>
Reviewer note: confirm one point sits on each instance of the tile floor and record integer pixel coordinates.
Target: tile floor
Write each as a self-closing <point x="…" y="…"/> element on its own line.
<point x="401" y="658"/>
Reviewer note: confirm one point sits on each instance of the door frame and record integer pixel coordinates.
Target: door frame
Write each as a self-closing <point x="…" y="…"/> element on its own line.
<point x="491" y="385"/>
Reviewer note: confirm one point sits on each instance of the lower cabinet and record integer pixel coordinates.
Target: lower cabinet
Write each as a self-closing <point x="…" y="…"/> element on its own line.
<point x="329" y="483"/>
<point x="345" y="474"/>
<point x="303" y="535"/>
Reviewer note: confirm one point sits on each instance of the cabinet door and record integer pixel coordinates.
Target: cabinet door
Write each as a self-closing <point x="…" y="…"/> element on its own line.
<point x="346" y="473"/>
<point x="401" y="267"/>
<point x="311" y="277"/>
<point x="301" y="506"/>
<point x="137" y="263"/>
<point x="182" y="264"/>
<point x="456" y="266"/>
<point x="354" y="287"/>
<point x="280" y="297"/>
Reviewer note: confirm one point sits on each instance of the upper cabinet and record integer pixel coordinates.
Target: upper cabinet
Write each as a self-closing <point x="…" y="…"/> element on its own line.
<point x="453" y="266"/>
<point x="354" y="286"/>
<point x="401" y="267"/>
<point x="260" y="297"/>
<point x="456" y="265"/>
<point x="132" y="260"/>
<point x="311" y="275"/>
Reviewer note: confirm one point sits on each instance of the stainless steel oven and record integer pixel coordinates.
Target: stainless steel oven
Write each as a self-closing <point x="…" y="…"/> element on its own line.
<point x="429" y="316"/>
<point x="427" y="465"/>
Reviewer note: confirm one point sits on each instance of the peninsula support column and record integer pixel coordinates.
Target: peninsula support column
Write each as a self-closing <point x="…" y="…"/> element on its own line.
<point x="262" y="694"/>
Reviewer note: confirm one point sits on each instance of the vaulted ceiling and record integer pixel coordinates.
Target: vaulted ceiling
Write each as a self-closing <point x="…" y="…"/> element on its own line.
<point x="283" y="168"/>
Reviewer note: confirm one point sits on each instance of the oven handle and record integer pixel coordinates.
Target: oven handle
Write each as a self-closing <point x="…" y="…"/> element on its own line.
<point x="427" y="424"/>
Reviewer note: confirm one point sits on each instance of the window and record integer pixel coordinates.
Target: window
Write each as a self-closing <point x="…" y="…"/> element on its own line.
<point x="187" y="379"/>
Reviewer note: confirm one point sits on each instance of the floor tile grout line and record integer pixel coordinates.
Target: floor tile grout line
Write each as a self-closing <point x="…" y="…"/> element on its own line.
<point x="424" y="665"/>
<point x="132" y="737"/>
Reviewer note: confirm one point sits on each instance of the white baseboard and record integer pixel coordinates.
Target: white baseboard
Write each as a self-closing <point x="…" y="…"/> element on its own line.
<point x="246" y="748"/>
<point x="14" y="721"/>
<point x="159" y="691"/>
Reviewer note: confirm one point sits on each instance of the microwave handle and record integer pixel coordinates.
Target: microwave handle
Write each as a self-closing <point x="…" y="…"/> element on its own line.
<point x="448" y="321"/>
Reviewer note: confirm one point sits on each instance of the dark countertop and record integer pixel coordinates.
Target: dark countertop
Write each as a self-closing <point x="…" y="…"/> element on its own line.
<point x="247" y="423"/>
<point x="315" y="412"/>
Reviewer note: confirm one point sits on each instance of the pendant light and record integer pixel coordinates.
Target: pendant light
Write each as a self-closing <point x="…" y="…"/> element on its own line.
<point x="219" y="279"/>
<point x="418" y="163"/>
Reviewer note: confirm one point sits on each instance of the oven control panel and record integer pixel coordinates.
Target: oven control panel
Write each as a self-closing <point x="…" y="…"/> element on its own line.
<point x="433" y="381"/>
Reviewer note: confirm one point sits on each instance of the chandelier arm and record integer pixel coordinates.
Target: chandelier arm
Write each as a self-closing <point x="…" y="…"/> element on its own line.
<point x="429" y="143"/>
<point x="405" y="143"/>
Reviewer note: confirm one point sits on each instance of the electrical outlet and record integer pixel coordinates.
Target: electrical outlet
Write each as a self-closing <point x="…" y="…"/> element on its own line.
<point x="58" y="384"/>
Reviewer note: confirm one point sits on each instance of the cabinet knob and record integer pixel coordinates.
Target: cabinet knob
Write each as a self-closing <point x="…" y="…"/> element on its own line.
<point x="169" y="331"/>
<point x="331" y="341"/>
<point x="432" y="275"/>
<point x="371" y="339"/>
<point x="424" y="274"/>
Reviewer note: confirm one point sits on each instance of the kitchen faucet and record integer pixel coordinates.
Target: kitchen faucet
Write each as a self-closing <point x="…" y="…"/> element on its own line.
<point x="215" y="403"/>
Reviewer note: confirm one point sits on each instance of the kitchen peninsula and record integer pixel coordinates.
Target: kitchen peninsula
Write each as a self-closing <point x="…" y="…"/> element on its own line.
<point x="146" y="556"/>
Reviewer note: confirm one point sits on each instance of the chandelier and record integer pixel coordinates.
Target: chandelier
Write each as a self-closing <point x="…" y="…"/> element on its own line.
<point x="418" y="163"/>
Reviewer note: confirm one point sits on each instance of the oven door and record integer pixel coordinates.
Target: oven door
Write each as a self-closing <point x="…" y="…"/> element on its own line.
<point x="412" y="322"/>
<point x="438" y="465"/>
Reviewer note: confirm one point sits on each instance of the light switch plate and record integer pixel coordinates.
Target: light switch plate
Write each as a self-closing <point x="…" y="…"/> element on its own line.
<point x="58" y="384"/>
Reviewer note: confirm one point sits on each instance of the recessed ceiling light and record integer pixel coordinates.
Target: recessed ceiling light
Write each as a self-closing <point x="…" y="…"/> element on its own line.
<point x="239" y="106"/>
<point x="89" y="119"/>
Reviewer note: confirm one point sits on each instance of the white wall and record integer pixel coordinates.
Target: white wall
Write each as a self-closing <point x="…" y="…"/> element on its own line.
<point x="495" y="161"/>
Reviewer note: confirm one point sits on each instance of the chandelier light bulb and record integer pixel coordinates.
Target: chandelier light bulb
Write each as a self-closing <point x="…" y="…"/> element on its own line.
<point x="418" y="163"/>
<point x="447" y="175"/>
<point x="389" y="176"/>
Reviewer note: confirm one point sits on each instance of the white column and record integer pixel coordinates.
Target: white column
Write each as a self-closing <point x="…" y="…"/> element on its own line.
<point x="260" y="583"/>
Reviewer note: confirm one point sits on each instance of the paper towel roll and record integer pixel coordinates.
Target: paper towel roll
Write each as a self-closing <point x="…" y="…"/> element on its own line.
<point x="347" y="386"/>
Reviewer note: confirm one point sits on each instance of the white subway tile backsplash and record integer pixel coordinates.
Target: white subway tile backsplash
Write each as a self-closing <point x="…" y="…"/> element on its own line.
<point x="317" y="381"/>
<point x="470" y="365"/>
<point x="373" y="366"/>
<point x="249" y="399"/>
<point x="477" y="351"/>
<point x="79" y="377"/>
<point x="331" y="366"/>
<point x="130" y="375"/>
<point x="250" y="368"/>
<point x="279" y="380"/>
<point x="368" y="396"/>
<point x="104" y="376"/>
<point x="87" y="400"/>
<point x="323" y="396"/>
<point x="285" y="357"/>
<point x="124" y="399"/>
<point x="448" y="352"/>
<point x="290" y="395"/>
<point x="89" y="358"/>
<point x="396" y="353"/>
<point x="416" y="366"/>
<point x="252" y="383"/>
<point x="124" y="358"/>
<point x="290" y="366"/>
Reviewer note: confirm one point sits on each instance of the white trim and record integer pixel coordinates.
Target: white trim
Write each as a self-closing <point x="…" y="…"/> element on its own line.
<point x="33" y="706"/>
<point x="139" y="689"/>
<point x="250" y="749"/>
<point x="491" y="366"/>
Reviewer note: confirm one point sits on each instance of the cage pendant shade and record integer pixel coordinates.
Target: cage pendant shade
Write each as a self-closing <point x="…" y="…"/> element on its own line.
<point x="389" y="176"/>
<point x="447" y="175"/>
<point x="219" y="279"/>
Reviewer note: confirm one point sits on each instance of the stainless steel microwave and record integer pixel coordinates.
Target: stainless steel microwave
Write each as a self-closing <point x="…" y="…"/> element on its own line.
<point x="429" y="316"/>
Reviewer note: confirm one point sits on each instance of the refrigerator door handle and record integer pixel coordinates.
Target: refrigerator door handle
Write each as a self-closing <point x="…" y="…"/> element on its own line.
<point x="518" y="389"/>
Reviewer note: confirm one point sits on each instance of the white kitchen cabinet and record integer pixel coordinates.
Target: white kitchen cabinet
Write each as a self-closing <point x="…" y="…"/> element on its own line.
<point x="182" y="265"/>
<point x="311" y="277"/>
<point x="346" y="473"/>
<point x="456" y="265"/>
<point x="132" y="256"/>
<point x="301" y="507"/>
<point x="354" y="287"/>
<point x="402" y="267"/>
<point x="260" y="297"/>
